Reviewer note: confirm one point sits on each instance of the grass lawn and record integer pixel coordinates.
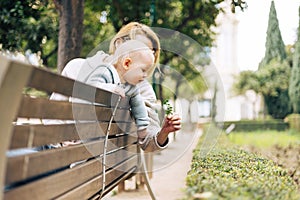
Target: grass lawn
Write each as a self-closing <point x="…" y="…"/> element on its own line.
<point x="265" y="139"/>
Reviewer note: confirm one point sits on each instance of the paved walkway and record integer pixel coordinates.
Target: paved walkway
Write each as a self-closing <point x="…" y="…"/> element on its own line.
<point x="170" y="170"/>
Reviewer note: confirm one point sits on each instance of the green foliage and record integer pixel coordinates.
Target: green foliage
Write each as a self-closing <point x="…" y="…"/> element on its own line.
<point x="28" y="25"/>
<point x="192" y="18"/>
<point x="275" y="90"/>
<point x="272" y="81"/>
<point x="198" y="85"/>
<point x="238" y="3"/>
<point x="231" y="173"/>
<point x="246" y="80"/>
<point x="35" y="93"/>
<point x="274" y="44"/>
<point x="269" y="81"/>
<point x="278" y="106"/>
<point x="34" y="25"/>
<point x="168" y="107"/>
<point x="254" y="125"/>
<point x="184" y="82"/>
<point x="294" y="88"/>
<point x="290" y="48"/>
<point x="294" y="121"/>
<point x="274" y="78"/>
<point x="96" y="31"/>
<point x="264" y="139"/>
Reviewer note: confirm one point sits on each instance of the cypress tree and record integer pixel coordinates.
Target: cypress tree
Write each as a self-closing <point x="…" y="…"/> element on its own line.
<point x="277" y="106"/>
<point x="294" y="86"/>
<point x="275" y="47"/>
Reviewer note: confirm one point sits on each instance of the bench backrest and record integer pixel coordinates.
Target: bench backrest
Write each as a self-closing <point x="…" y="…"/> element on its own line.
<point x="28" y="124"/>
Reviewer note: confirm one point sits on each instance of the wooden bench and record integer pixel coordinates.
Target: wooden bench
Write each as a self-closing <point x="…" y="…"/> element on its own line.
<point x="47" y="173"/>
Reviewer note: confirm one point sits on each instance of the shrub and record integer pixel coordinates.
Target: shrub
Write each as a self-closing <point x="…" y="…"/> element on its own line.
<point x="254" y="125"/>
<point x="237" y="174"/>
<point x="294" y="121"/>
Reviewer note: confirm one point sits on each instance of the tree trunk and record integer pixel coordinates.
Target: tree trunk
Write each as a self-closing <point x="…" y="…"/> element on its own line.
<point x="70" y="30"/>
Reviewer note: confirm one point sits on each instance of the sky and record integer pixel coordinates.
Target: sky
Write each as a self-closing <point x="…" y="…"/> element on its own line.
<point x="252" y="28"/>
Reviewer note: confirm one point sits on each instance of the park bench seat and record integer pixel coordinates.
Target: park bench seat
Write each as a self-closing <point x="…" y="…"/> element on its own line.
<point x="30" y="170"/>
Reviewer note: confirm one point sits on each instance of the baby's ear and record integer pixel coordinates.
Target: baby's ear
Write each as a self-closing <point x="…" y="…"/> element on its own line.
<point x="118" y="42"/>
<point x="126" y="62"/>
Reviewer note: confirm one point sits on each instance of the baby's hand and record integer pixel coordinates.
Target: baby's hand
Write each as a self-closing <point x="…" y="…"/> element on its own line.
<point x="119" y="90"/>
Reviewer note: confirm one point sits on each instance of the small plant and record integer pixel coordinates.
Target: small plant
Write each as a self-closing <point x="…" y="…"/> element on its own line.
<point x="168" y="107"/>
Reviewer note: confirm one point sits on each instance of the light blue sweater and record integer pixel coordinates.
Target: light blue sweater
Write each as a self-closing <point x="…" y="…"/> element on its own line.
<point x="104" y="76"/>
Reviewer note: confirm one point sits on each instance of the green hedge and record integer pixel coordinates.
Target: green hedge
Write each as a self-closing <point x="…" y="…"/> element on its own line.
<point x="235" y="174"/>
<point x="254" y="125"/>
<point x="294" y="121"/>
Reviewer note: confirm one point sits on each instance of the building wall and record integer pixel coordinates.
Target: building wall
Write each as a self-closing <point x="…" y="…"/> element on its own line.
<point x="224" y="58"/>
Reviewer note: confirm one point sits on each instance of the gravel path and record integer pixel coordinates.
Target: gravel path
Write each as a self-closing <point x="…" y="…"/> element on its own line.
<point x="170" y="170"/>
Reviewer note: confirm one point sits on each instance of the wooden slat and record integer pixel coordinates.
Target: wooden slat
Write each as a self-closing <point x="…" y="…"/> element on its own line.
<point x="13" y="78"/>
<point x="58" y="184"/>
<point x="30" y="165"/>
<point x="37" y="134"/>
<point x="48" y="109"/>
<point x="119" y="181"/>
<point x="51" y="82"/>
<point x="90" y="188"/>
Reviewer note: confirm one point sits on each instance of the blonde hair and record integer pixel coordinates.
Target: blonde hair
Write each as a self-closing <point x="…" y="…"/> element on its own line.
<point x="128" y="49"/>
<point x="130" y="31"/>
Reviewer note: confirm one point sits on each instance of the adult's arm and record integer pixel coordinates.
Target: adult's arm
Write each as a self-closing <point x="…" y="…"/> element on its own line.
<point x="155" y="141"/>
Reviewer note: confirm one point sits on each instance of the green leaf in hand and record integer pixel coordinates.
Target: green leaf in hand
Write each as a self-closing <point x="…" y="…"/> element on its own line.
<point x="169" y="108"/>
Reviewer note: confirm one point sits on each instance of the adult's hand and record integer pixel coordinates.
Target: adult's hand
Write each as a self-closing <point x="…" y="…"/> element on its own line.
<point x="170" y="124"/>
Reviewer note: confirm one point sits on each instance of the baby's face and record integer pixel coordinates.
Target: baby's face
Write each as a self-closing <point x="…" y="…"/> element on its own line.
<point x="139" y="68"/>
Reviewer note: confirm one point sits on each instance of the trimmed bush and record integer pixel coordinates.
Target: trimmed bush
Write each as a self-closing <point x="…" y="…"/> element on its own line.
<point x="294" y="121"/>
<point x="254" y="125"/>
<point x="236" y="174"/>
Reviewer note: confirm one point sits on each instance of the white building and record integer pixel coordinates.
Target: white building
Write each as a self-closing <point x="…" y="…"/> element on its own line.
<point x="224" y="59"/>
